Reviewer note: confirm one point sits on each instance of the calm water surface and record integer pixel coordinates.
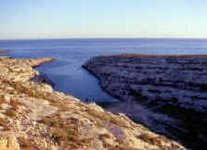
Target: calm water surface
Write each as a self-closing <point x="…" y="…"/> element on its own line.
<point x="66" y="72"/>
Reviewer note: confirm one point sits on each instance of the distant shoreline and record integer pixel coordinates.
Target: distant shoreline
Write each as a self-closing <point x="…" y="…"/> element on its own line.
<point x="4" y="51"/>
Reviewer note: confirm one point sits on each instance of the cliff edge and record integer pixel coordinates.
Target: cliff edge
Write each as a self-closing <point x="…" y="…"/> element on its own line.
<point x="166" y="93"/>
<point x="34" y="116"/>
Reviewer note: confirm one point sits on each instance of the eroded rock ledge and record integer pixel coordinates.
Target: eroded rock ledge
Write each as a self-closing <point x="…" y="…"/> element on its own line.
<point x="34" y="116"/>
<point x="166" y="93"/>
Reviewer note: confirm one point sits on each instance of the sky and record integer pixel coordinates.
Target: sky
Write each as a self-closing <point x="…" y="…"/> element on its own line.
<point x="33" y="19"/>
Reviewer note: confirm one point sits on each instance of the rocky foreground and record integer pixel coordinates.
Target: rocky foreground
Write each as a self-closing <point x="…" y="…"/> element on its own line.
<point x="34" y="116"/>
<point x="166" y="93"/>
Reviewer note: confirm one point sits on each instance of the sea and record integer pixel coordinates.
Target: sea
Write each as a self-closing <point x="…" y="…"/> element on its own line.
<point x="67" y="75"/>
<point x="66" y="71"/>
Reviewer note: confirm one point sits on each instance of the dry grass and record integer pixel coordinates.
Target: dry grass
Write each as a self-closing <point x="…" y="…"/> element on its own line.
<point x="108" y="117"/>
<point x="11" y="113"/>
<point x="26" y="143"/>
<point x="66" y="132"/>
<point x="4" y="123"/>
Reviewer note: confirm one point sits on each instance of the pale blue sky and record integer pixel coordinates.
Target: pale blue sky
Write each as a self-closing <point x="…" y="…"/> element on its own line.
<point x="103" y="18"/>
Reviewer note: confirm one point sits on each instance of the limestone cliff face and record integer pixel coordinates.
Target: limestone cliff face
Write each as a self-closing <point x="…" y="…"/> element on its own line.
<point x="169" y="91"/>
<point x="34" y="116"/>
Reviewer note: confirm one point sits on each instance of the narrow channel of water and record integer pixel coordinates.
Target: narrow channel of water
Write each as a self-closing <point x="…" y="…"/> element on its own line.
<point x="66" y="72"/>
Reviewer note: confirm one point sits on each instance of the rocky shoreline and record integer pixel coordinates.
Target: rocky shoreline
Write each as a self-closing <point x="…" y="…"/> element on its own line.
<point x="168" y="94"/>
<point x="34" y="116"/>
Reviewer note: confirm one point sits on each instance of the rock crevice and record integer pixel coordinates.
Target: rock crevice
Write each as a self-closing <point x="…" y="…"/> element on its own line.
<point x="169" y="91"/>
<point x="37" y="117"/>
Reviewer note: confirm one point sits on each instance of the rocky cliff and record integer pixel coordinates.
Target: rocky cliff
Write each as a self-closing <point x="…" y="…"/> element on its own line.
<point x="166" y="93"/>
<point x="34" y="116"/>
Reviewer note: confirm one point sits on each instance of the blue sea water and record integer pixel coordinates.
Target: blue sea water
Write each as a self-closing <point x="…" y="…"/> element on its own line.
<point x="66" y="71"/>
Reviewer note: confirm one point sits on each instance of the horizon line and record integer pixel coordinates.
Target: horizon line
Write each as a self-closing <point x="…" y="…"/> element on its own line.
<point x="65" y="38"/>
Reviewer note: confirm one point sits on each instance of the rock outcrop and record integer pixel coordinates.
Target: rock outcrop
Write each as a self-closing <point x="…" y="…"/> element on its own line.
<point x="169" y="91"/>
<point x="34" y="116"/>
